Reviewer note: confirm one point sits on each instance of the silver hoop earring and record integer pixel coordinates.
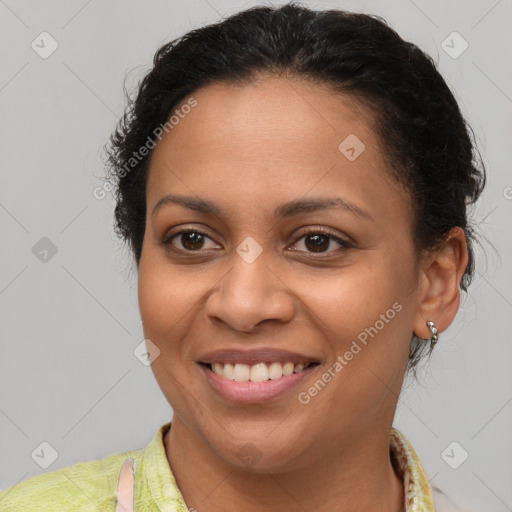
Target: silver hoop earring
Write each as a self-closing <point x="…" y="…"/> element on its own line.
<point x="434" y="336"/>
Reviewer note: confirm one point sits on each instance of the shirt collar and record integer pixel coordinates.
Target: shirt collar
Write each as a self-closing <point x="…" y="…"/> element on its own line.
<point x="153" y="478"/>
<point x="153" y="475"/>
<point x="417" y="490"/>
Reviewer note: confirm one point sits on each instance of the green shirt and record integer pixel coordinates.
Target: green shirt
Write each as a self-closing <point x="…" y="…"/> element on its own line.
<point x="92" y="486"/>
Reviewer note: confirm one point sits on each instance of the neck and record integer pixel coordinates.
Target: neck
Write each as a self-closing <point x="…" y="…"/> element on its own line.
<point x="358" y="476"/>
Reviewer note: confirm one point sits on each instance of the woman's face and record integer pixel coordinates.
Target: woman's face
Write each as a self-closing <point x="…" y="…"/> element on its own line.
<point x="306" y="259"/>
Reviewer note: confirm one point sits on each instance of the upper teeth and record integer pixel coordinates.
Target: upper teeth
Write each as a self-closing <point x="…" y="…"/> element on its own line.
<point x="257" y="372"/>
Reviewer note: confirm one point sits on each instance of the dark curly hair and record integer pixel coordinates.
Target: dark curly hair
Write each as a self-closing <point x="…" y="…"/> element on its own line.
<point x="429" y="146"/>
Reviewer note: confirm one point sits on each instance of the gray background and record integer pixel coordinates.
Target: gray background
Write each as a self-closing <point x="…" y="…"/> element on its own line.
<point x="70" y="324"/>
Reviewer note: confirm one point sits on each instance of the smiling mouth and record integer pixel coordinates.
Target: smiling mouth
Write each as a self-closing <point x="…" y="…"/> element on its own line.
<point x="259" y="372"/>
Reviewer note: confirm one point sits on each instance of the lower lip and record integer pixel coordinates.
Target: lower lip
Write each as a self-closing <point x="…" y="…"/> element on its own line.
<point x="254" y="392"/>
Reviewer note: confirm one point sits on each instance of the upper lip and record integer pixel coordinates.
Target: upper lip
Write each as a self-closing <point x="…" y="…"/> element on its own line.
<point x="255" y="356"/>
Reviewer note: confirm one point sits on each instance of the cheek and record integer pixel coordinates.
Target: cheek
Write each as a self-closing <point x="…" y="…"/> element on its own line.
<point x="363" y="319"/>
<point x="166" y="303"/>
<point x="355" y="299"/>
<point x="165" y="298"/>
<point x="365" y="314"/>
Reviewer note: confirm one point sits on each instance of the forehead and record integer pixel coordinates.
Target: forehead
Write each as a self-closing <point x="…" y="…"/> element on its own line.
<point x="272" y="111"/>
<point x="284" y="135"/>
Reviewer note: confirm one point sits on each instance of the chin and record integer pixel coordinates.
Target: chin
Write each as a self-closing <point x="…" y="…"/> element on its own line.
<point x="260" y="453"/>
<point x="255" y="458"/>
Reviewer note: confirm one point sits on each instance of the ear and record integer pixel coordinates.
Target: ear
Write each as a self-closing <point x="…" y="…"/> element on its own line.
<point x="440" y="276"/>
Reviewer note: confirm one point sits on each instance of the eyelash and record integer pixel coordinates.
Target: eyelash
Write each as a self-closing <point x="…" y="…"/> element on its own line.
<point x="318" y="231"/>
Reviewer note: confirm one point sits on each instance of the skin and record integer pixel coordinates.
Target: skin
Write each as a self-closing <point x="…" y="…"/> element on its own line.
<point x="249" y="149"/>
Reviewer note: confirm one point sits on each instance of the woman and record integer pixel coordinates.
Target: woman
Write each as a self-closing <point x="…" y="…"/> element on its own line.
<point x="293" y="185"/>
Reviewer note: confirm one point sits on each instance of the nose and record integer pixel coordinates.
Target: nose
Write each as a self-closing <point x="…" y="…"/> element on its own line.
<point x="249" y="294"/>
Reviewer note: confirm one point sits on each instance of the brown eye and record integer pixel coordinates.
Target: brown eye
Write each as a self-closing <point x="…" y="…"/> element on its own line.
<point x="319" y="241"/>
<point x="191" y="240"/>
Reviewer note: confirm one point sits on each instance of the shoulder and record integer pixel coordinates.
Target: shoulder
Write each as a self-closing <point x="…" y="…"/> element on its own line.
<point x="87" y="486"/>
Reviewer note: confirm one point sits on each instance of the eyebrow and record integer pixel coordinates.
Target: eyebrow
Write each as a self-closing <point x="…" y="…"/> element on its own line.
<point x="282" y="211"/>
